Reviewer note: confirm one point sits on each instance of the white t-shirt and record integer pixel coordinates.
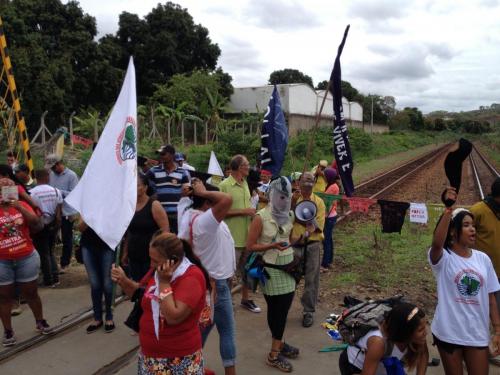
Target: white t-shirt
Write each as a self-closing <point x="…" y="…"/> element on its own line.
<point x="357" y="356"/>
<point x="46" y="198"/>
<point x="463" y="286"/>
<point x="212" y="243"/>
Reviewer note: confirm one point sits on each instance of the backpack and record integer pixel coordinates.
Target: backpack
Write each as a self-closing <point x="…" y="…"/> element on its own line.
<point x="356" y="321"/>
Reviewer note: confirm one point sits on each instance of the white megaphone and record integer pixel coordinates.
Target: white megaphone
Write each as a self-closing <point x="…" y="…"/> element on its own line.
<point x="305" y="213"/>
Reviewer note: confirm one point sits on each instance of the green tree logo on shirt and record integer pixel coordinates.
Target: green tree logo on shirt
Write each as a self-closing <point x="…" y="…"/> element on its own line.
<point x="469" y="285"/>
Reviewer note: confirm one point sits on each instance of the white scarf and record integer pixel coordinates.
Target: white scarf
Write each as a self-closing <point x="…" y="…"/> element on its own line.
<point x="155" y="289"/>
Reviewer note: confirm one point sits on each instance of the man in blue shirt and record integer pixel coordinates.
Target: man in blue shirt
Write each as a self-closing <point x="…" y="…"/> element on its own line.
<point x="65" y="180"/>
<point x="168" y="180"/>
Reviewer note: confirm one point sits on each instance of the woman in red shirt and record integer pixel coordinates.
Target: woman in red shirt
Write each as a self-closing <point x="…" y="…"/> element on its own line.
<point x="173" y="300"/>
<point x="19" y="262"/>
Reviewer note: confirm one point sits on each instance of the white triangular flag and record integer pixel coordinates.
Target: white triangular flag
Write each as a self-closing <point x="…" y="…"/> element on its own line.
<point x="213" y="166"/>
<point x="106" y="195"/>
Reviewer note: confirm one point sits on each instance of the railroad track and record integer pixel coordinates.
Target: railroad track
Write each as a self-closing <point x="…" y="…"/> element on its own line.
<point x="375" y="187"/>
<point x="484" y="173"/>
<point x="56" y="331"/>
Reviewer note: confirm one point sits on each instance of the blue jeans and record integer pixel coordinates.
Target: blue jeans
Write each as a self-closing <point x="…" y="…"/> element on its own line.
<point x="98" y="265"/>
<point x="67" y="241"/>
<point x="328" y="241"/>
<point x="224" y="321"/>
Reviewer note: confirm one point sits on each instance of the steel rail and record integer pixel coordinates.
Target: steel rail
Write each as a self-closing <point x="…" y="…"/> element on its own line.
<point x="431" y="159"/>
<point x="381" y="176"/>
<point x="13" y="351"/>
<point x="491" y="167"/>
<point x="476" y="176"/>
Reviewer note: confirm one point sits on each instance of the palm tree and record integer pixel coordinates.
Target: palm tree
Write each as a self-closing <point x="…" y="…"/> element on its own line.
<point x="165" y="113"/>
<point x="194" y="119"/>
<point x="217" y="105"/>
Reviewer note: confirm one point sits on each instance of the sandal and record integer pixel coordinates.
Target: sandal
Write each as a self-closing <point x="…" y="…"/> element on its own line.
<point x="289" y="351"/>
<point x="280" y="362"/>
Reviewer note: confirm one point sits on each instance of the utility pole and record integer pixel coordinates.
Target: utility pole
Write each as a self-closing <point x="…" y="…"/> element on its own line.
<point x="371" y="120"/>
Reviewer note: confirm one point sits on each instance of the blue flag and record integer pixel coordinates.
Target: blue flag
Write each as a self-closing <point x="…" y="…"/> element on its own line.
<point x="274" y="136"/>
<point x="341" y="147"/>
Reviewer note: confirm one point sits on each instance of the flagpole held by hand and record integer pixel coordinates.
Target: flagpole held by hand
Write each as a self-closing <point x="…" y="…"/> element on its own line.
<point x="117" y="264"/>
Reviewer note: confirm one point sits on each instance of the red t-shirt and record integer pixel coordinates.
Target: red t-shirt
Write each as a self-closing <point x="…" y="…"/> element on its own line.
<point x="15" y="240"/>
<point x="180" y="339"/>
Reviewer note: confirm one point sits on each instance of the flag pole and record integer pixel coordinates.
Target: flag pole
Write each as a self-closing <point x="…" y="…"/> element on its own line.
<point x="117" y="264"/>
<point x="315" y="128"/>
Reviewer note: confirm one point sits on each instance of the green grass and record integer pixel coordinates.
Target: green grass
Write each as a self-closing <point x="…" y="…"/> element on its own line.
<point x="369" y="257"/>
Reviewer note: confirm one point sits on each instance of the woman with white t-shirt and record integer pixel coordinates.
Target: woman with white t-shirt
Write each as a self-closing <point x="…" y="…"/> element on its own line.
<point x="466" y="282"/>
<point x="399" y="342"/>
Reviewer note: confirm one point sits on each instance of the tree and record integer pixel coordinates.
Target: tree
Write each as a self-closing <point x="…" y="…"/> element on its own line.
<point x="416" y="118"/>
<point x="379" y="117"/>
<point x="289" y="76"/>
<point x="166" y="42"/>
<point x="190" y="89"/>
<point x="56" y="59"/>
<point x="388" y="106"/>
<point x="323" y="85"/>
<point x="439" y="124"/>
<point x="349" y="92"/>
<point x="400" y="121"/>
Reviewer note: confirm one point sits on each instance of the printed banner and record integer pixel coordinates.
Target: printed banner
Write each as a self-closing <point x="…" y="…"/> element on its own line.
<point x="274" y="136"/>
<point x="341" y="147"/>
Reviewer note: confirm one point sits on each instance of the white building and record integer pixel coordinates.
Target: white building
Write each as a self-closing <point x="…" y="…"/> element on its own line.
<point x="300" y="103"/>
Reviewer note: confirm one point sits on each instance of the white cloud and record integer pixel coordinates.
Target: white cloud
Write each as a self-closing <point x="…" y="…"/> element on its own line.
<point x="431" y="54"/>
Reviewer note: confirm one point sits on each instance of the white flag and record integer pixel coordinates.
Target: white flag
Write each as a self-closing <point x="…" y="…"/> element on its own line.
<point x="106" y="195"/>
<point x="214" y="166"/>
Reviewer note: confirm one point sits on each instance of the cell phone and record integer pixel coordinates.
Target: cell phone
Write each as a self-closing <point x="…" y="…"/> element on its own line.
<point x="175" y="258"/>
<point x="284" y="244"/>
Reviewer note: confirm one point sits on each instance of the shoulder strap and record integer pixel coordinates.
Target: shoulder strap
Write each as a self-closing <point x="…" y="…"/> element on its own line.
<point x="389" y="346"/>
<point x="191" y="223"/>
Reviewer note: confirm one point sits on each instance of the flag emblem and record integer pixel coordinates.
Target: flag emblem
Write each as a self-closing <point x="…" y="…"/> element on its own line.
<point x="125" y="145"/>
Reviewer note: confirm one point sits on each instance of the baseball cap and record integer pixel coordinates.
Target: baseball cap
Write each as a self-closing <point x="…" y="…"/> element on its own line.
<point x="166" y="149"/>
<point x="323" y="163"/>
<point x="179" y="156"/>
<point x="265" y="172"/>
<point x="51" y="160"/>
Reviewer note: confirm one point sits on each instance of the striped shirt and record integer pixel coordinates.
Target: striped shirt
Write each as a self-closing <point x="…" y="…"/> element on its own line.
<point x="168" y="186"/>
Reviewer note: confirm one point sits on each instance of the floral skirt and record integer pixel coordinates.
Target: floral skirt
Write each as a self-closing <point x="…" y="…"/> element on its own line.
<point x="189" y="365"/>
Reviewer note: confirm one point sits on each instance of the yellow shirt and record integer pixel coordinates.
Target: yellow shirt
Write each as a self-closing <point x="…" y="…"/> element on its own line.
<point x="238" y="225"/>
<point x="299" y="229"/>
<point x="487" y="233"/>
<point x="320" y="185"/>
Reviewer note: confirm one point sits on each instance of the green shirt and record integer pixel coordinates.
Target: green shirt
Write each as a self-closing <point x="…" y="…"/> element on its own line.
<point x="279" y="281"/>
<point x="238" y="225"/>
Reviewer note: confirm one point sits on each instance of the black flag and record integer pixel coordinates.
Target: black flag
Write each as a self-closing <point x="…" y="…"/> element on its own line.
<point x="341" y="147"/>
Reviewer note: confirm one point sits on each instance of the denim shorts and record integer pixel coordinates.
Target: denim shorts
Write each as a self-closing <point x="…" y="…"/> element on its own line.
<point x="23" y="270"/>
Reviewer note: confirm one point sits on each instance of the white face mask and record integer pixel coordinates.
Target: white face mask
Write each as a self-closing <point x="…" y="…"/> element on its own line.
<point x="279" y="201"/>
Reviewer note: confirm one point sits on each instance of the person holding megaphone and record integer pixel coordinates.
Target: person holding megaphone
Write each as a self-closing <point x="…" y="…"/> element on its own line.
<point x="310" y="220"/>
<point x="269" y="235"/>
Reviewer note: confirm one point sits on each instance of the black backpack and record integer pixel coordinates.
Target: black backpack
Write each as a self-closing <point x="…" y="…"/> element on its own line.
<point x="356" y="321"/>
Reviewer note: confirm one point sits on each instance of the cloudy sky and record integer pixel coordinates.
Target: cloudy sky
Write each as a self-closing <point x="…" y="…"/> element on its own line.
<point x="432" y="54"/>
